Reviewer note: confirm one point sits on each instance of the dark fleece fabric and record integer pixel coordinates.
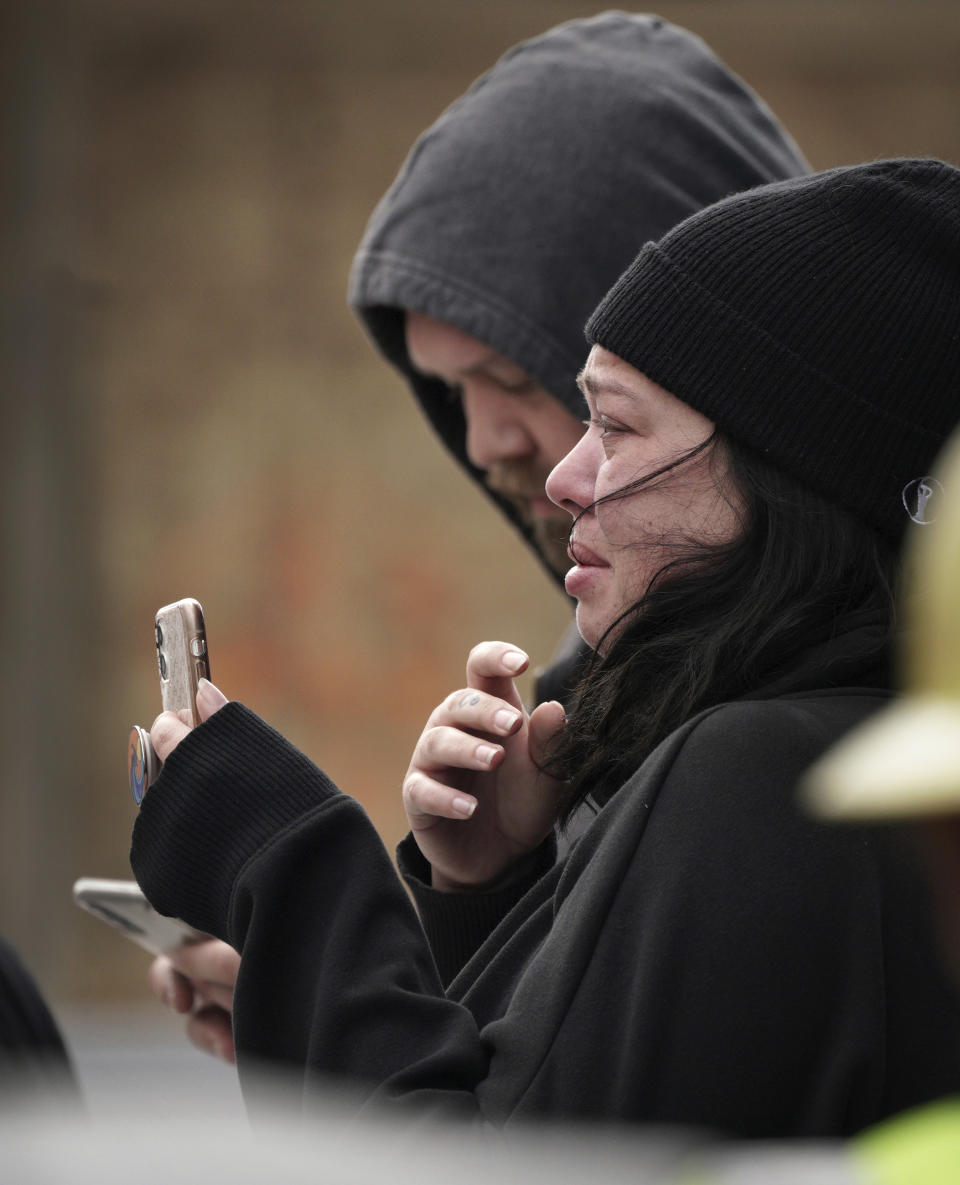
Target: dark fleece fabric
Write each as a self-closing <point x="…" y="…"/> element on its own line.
<point x="706" y="954"/>
<point x="33" y="1059"/>
<point x="518" y="209"/>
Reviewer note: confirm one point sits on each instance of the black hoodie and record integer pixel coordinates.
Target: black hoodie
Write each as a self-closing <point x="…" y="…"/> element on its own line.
<point x="517" y="210"/>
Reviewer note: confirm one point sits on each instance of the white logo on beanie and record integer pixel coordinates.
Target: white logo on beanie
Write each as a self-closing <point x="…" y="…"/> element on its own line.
<point x="920" y="497"/>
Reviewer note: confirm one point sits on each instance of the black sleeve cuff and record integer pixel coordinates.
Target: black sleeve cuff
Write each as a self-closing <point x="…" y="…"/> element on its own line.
<point x="227" y="790"/>
<point x="457" y="924"/>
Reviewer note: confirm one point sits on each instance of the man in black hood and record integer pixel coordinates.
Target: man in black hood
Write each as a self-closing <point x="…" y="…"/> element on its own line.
<point x="512" y="215"/>
<point x="515" y="212"/>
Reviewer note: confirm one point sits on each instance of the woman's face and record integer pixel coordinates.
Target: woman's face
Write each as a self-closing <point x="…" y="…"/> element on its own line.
<point x="617" y="547"/>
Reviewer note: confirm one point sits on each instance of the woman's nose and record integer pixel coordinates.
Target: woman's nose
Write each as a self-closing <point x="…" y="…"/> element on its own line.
<point x="572" y="480"/>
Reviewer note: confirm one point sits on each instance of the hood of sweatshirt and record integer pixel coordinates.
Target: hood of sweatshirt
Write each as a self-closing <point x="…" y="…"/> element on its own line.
<point x="523" y="203"/>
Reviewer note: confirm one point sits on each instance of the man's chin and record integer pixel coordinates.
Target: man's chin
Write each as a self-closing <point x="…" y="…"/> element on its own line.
<point x="550" y="533"/>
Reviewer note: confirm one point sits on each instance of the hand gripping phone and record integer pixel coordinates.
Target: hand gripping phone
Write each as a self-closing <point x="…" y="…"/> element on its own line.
<point x="122" y="905"/>
<point x="182" y="660"/>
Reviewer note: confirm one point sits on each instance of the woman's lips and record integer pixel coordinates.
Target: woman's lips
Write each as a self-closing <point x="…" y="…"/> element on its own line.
<point x="583" y="557"/>
<point x="586" y="570"/>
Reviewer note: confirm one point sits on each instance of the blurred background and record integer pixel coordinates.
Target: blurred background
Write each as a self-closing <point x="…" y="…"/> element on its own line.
<point x="190" y="409"/>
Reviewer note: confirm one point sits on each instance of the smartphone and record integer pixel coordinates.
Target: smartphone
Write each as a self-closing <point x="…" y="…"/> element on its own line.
<point x="182" y="660"/>
<point x="182" y="657"/>
<point x="121" y="904"/>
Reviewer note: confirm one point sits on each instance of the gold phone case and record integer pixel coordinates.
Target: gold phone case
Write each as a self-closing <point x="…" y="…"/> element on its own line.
<point x="181" y="655"/>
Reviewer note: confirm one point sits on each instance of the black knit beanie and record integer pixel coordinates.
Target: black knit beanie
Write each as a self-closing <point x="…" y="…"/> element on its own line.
<point x="816" y="320"/>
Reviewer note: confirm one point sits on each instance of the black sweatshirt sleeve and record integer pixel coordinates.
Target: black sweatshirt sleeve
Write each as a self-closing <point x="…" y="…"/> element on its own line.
<point x="457" y="924"/>
<point x="243" y="837"/>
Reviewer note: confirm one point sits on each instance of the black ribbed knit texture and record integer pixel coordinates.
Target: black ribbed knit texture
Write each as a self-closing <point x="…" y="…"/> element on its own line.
<point x="208" y="785"/>
<point x="817" y="320"/>
<point x="458" y="923"/>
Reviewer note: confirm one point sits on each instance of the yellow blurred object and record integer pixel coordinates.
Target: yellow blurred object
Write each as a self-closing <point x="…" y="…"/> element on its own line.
<point x="906" y="760"/>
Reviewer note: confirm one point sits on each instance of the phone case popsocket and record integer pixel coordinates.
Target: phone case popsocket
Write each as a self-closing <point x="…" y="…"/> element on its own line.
<point x="143" y="765"/>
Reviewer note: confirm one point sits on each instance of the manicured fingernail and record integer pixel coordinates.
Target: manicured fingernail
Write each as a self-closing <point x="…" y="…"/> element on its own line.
<point x="505" y="719"/>
<point x="210" y="694"/>
<point x="486" y="753"/>
<point x="463" y="806"/>
<point x="513" y="660"/>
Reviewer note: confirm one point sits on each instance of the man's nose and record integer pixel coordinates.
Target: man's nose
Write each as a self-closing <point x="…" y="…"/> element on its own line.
<point x="495" y="428"/>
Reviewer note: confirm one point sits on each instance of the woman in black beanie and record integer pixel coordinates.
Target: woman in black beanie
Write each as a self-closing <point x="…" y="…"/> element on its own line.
<point x="816" y="326"/>
<point x="768" y="388"/>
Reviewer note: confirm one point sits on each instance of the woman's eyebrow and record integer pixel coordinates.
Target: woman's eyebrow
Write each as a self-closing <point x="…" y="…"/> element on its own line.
<point x="594" y="387"/>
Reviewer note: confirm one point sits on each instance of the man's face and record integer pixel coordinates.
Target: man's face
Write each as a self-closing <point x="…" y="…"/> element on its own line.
<point x="516" y="431"/>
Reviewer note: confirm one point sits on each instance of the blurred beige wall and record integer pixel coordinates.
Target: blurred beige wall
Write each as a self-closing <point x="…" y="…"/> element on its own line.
<point x="189" y="408"/>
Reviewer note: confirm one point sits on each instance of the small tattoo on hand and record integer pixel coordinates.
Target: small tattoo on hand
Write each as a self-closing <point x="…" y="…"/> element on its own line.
<point x="470" y="701"/>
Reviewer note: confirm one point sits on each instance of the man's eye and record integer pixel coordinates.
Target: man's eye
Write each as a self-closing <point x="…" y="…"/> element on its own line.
<point x="520" y="387"/>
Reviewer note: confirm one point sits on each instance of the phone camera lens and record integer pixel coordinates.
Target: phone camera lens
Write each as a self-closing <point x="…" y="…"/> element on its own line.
<point x="163" y="666"/>
<point x="159" y="636"/>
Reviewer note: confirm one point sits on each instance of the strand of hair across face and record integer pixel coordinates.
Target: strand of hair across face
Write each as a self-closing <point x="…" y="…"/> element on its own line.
<point x="718" y="619"/>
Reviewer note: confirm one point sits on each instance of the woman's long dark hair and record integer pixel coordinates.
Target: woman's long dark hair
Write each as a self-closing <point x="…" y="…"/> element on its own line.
<point x="720" y="619"/>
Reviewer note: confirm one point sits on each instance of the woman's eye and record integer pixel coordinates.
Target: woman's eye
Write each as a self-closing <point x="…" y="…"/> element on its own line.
<point x="605" y="426"/>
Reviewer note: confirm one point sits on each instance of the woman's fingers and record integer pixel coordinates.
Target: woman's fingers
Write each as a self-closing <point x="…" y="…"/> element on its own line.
<point x="451" y="746"/>
<point x="169" y="986"/>
<point x="167" y="732"/>
<point x="211" y="1029"/>
<point x="479" y="711"/>
<point x="445" y="749"/>
<point x="199" y="979"/>
<point x="212" y="967"/>
<point x="467" y="736"/>
<point x="215" y="994"/>
<point x="170" y="728"/>
<point x="209" y="699"/>
<point x="427" y="801"/>
<point x="493" y="666"/>
<point x="546" y="720"/>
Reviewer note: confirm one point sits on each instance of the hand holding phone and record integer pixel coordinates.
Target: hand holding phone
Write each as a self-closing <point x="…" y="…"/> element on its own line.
<point x="198" y="981"/>
<point x="182" y="660"/>
<point x="121" y="904"/>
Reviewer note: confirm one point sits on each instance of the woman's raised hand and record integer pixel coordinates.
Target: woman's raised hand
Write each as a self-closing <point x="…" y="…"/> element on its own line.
<point x="476" y="795"/>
